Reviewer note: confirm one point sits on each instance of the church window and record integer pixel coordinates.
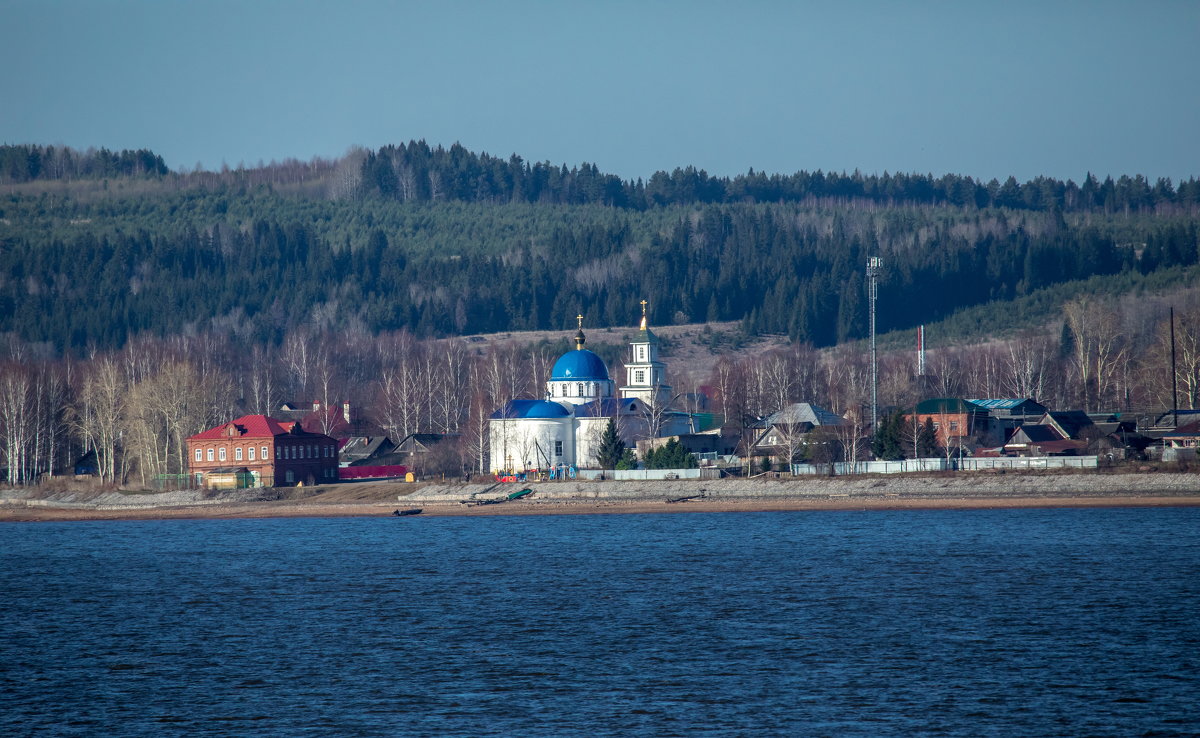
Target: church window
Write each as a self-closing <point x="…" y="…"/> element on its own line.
<point x="641" y="353"/>
<point x="558" y="448"/>
<point x="639" y="377"/>
<point x="579" y="389"/>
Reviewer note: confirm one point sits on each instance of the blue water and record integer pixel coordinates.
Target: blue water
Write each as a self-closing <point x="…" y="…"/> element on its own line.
<point x="1006" y="622"/>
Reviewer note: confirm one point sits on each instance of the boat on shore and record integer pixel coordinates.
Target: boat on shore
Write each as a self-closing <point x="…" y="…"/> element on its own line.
<point x="410" y="511"/>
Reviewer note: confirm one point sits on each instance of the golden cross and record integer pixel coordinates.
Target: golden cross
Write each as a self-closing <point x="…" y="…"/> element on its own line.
<point x="643" y="308"/>
<point x="580" y="319"/>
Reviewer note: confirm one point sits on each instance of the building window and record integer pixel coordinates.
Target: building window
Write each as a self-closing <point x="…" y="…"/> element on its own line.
<point x="251" y="451"/>
<point x="639" y="377"/>
<point x="210" y="454"/>
<point x="199" y="455"/>
<point x="641" y="353"/>
<point x="558" y="448"/>
<point x="328" y="451"/>
<point x="221" y="454"/>
<point x="953" y="425"/>
<point x="237" y="454"/>
<point x="264" y="453"/>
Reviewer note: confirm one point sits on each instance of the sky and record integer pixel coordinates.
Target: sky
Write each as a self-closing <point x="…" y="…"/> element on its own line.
<point x="986" y="89"/>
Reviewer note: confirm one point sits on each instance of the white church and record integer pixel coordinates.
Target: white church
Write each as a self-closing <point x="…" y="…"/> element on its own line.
<point x="565" y="427"/>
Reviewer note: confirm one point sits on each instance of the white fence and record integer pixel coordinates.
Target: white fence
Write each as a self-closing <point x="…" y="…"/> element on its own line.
<point x="634" y="475"/>
<point x="1030" y="462"/>
<point x="941" y="464"/>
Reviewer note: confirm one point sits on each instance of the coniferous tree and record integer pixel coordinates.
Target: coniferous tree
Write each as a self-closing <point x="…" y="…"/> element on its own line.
<point x="628" y="460"/>
<point x="888" y="443"/>
<point x="612" y="448"/>
<point x="671" y="455"/>
<point x="927" y="444"/>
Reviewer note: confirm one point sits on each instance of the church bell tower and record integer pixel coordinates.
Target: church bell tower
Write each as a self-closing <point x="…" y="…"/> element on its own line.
<point x="645" y="374"/>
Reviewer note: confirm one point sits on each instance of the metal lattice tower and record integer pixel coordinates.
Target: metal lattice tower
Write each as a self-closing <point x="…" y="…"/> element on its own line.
<point x="874" y="268"/>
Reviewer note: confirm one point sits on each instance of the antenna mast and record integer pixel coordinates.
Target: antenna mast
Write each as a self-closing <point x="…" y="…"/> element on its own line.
<point x="874" y="267"/>
<point x="920" y="351"/>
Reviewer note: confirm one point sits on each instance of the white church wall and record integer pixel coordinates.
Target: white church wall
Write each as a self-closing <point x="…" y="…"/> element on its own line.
<point x="529" y="443"/>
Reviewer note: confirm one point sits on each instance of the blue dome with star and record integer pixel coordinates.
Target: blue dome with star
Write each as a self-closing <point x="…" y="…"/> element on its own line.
<point x="579" y="365"/>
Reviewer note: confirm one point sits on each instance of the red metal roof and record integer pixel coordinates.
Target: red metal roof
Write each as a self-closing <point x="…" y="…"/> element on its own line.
<point x="248" y="426"/>
<point x="1187" y="429"/>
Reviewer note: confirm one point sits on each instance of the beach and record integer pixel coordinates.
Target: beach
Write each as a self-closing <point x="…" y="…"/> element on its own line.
<point x="865" y="492"/>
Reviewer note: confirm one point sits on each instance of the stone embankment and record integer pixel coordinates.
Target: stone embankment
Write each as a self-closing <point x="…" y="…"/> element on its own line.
<point x="948" y="490"/>
<point x="934" y="486"/>
<point x="84" y="499"/>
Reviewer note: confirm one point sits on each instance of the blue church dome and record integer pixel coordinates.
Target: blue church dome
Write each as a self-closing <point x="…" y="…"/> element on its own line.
<point x="581" y="365"/>
<point x="533" y="409"/>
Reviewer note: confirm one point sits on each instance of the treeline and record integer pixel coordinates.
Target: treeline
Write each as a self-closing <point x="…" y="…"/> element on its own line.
<point x="419" y="173"/>
<point x="416" y="172"/>
<point x="76" y="276"/>
<point x="25" y="163"/>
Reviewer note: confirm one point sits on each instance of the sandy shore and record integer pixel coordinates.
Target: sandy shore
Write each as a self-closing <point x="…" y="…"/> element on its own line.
<point x="580" y="497"/>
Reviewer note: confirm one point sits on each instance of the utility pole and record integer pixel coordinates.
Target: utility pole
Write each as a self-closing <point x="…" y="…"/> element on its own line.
<point x="874" y="268"/>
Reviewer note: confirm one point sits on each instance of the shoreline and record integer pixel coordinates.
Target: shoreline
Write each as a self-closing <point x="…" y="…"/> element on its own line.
<point x="374" y="499"/>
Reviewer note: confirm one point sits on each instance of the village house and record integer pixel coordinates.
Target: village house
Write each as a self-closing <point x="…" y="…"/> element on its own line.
<point x="1181" y="444"/>
<point x="955" y="421"/>
<point x="1036" y="439"/>
<point x="364" y="449"/>
<point x="785" y="433"/>
<point x="1004" y="415"/>
<point x="260" y="451"/>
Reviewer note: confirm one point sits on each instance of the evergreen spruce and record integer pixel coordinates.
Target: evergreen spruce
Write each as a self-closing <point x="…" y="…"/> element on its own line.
<point x="612" y="448"/>
<point x="888" y="443"/>
<point x="927" y="445"/>
<point x="671" y="455"/>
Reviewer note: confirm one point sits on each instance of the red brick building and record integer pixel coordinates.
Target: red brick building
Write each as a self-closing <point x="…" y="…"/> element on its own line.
<point x="271" y="453"/>
<point x="955" y="421"/>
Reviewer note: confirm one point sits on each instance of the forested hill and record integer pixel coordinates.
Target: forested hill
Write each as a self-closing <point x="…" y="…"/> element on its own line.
<point x="98" y="246"/>
<point x="416" y="172"/>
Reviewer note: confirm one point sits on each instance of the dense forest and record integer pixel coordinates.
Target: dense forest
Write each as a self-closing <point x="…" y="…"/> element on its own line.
<point x="416" y="172"/>
<point x="97" y="247"/>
